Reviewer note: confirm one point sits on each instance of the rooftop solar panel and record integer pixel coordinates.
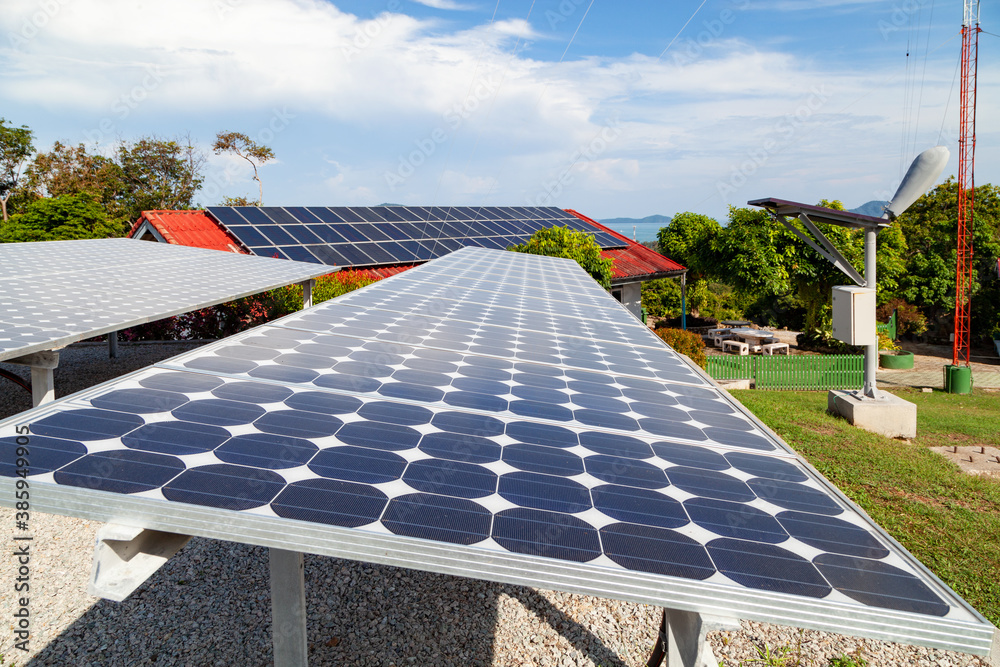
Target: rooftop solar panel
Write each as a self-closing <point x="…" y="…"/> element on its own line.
<point x="431" y="434"/>
<point x="58" y="292"/>
<point x="444" y="229"/>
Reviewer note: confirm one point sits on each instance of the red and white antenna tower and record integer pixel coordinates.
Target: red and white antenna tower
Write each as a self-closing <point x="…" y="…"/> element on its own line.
<point x="966" y="181"/>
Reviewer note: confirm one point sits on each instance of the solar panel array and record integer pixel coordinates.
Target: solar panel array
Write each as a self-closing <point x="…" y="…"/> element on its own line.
<point x="58" y="292"/>
<point x="380" y="235"/>
<point x="459" y="418"/>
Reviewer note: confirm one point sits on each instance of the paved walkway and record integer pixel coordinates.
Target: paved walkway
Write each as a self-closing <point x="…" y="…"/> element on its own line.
<point x="928" y="369"/>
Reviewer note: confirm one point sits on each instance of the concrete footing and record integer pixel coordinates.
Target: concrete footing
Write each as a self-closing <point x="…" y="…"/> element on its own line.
<point x="735" y="384"/>
<point x="889" y="415"/>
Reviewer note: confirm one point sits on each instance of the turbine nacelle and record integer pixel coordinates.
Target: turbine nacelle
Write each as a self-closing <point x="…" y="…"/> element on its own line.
<point x="922" y="174"/>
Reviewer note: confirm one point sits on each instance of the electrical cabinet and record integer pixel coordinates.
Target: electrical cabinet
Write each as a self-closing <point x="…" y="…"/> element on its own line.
<point x="854" y="315"/>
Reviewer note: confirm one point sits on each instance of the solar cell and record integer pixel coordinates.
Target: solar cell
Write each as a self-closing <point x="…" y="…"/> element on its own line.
<point x="58" y="292"/>
<point x="422" y="435"/>
<point x="444" y="229"/>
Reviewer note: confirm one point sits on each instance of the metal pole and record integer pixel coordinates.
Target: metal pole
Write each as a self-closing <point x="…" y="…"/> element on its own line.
<point x="113" y="344"/>
<point x="288" y="609"/>
<point x="871" y="351"/>
<point x="307" y="294"/>
<point x="684" y="321"/>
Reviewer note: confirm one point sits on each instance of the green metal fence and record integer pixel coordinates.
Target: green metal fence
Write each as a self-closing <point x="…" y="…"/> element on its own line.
<point x="839" y="371"/>
<point x="888" y="328"/>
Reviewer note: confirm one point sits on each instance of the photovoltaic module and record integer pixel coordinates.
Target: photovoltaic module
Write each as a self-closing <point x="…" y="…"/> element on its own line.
<point x="493" y="415"/>
<point x="363" y="236"/>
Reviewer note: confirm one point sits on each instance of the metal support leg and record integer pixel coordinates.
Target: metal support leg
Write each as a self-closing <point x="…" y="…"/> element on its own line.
<point x="43" y="386"/>
<point x="113" y="345"/>
<point x="307" y="294"/>
<point x="125" y="556"/>
<point x="682" y="640"/>
<point x="288" y="609"/>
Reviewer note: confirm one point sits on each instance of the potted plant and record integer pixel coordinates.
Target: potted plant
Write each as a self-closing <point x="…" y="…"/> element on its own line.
<point x="890" y="356"/>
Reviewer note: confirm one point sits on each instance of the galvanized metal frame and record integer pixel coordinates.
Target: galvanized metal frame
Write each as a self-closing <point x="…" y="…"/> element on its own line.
<point x="673" y="593"/>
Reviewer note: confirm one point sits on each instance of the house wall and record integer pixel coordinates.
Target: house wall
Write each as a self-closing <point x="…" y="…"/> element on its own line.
<point x="630" y="294"/>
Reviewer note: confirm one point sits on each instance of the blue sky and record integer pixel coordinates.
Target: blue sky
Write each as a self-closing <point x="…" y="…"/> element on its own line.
<point x="613" y="109"/>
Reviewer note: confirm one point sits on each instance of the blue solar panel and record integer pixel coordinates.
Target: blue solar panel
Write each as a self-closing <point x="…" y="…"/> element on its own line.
<point x="444" y="229"/>
<point x="451" y="406"/>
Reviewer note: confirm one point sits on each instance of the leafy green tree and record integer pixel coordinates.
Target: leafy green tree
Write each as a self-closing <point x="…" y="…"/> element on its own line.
<point x="571" y="244"/>
<point x="243" y="146"/>
<point x="928" y="281"/>
<point x="15" y="148"/>
<point x="661" y="297"/>
<point x="752" y="254"/>
<point x="765" y="263"/>
<point x="75" y="216"/>
<point x="690" y="240"/>
<point x="147" y="174"/>
<point x="157" y="174"/>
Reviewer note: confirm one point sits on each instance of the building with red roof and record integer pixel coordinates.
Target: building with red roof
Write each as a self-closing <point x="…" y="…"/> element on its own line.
<point x="190" y="228"/>
<point x="634" y="263"/>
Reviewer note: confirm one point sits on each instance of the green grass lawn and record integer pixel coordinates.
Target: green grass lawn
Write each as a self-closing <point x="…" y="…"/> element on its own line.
<point x="946" y="518"/>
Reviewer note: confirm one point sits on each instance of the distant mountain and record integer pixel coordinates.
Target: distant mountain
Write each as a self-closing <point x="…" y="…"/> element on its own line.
<point x="661" y="220"/>
<point x="873" y="208"/>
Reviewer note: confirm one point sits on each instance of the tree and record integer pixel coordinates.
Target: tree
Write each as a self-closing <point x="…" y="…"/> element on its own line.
<point x="74" y="216"/>
<point x="571" y="244"/>
<point x="158" y="174"/>
<point x="928" y="280"/>
<point x="147" y="174"/>
<point x="243" y="146"/>
<point x="15" y="147"/>
<point x="752" y="253"/>
<point x="238" y="201"/>
<point x="71" y="170"/>
<point x="689" y="239"/>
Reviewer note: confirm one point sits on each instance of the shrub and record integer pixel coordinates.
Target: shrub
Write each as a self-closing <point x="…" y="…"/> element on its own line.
<point x="909" y="319"/>
<point x="226" y="319"/>
<point x="288" y="299"/>
<point x="885" y="343"/>
<point x="684" y="342"/>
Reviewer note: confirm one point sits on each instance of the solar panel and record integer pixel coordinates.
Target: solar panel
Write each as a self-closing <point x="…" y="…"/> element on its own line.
<point x="379" y="228"/>
<point x="59" y="292"/>
<point x="474" y="431"/>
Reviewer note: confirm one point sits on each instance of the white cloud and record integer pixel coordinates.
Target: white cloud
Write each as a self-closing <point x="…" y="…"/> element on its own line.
<point x="373" y="89"/>
<point x="444" y="4"/>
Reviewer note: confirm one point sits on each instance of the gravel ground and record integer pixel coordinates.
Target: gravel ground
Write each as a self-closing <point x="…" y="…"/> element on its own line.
<point x="210" y="604"/>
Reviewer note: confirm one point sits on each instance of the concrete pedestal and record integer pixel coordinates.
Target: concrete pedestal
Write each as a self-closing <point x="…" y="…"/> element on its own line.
<point x="890" y="415"/>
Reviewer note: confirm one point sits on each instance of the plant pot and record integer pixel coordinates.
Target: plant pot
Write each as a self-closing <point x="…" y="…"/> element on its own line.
<point x="895" y="359"/>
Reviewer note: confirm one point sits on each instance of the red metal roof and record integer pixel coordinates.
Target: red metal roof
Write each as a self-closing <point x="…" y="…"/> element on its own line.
<point x="190" y="228"/>
<point x="635" y="261"/>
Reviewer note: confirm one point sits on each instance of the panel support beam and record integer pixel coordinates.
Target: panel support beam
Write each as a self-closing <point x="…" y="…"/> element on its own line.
<point x="682" y="641"/>
<point x="113" y="344"/>
<point x="43" y="386"/>
<point x="125" y="556"/>
<point x="288" y="609"/>
<point x="307" y="294"/>
<point x="828" y="251"/>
